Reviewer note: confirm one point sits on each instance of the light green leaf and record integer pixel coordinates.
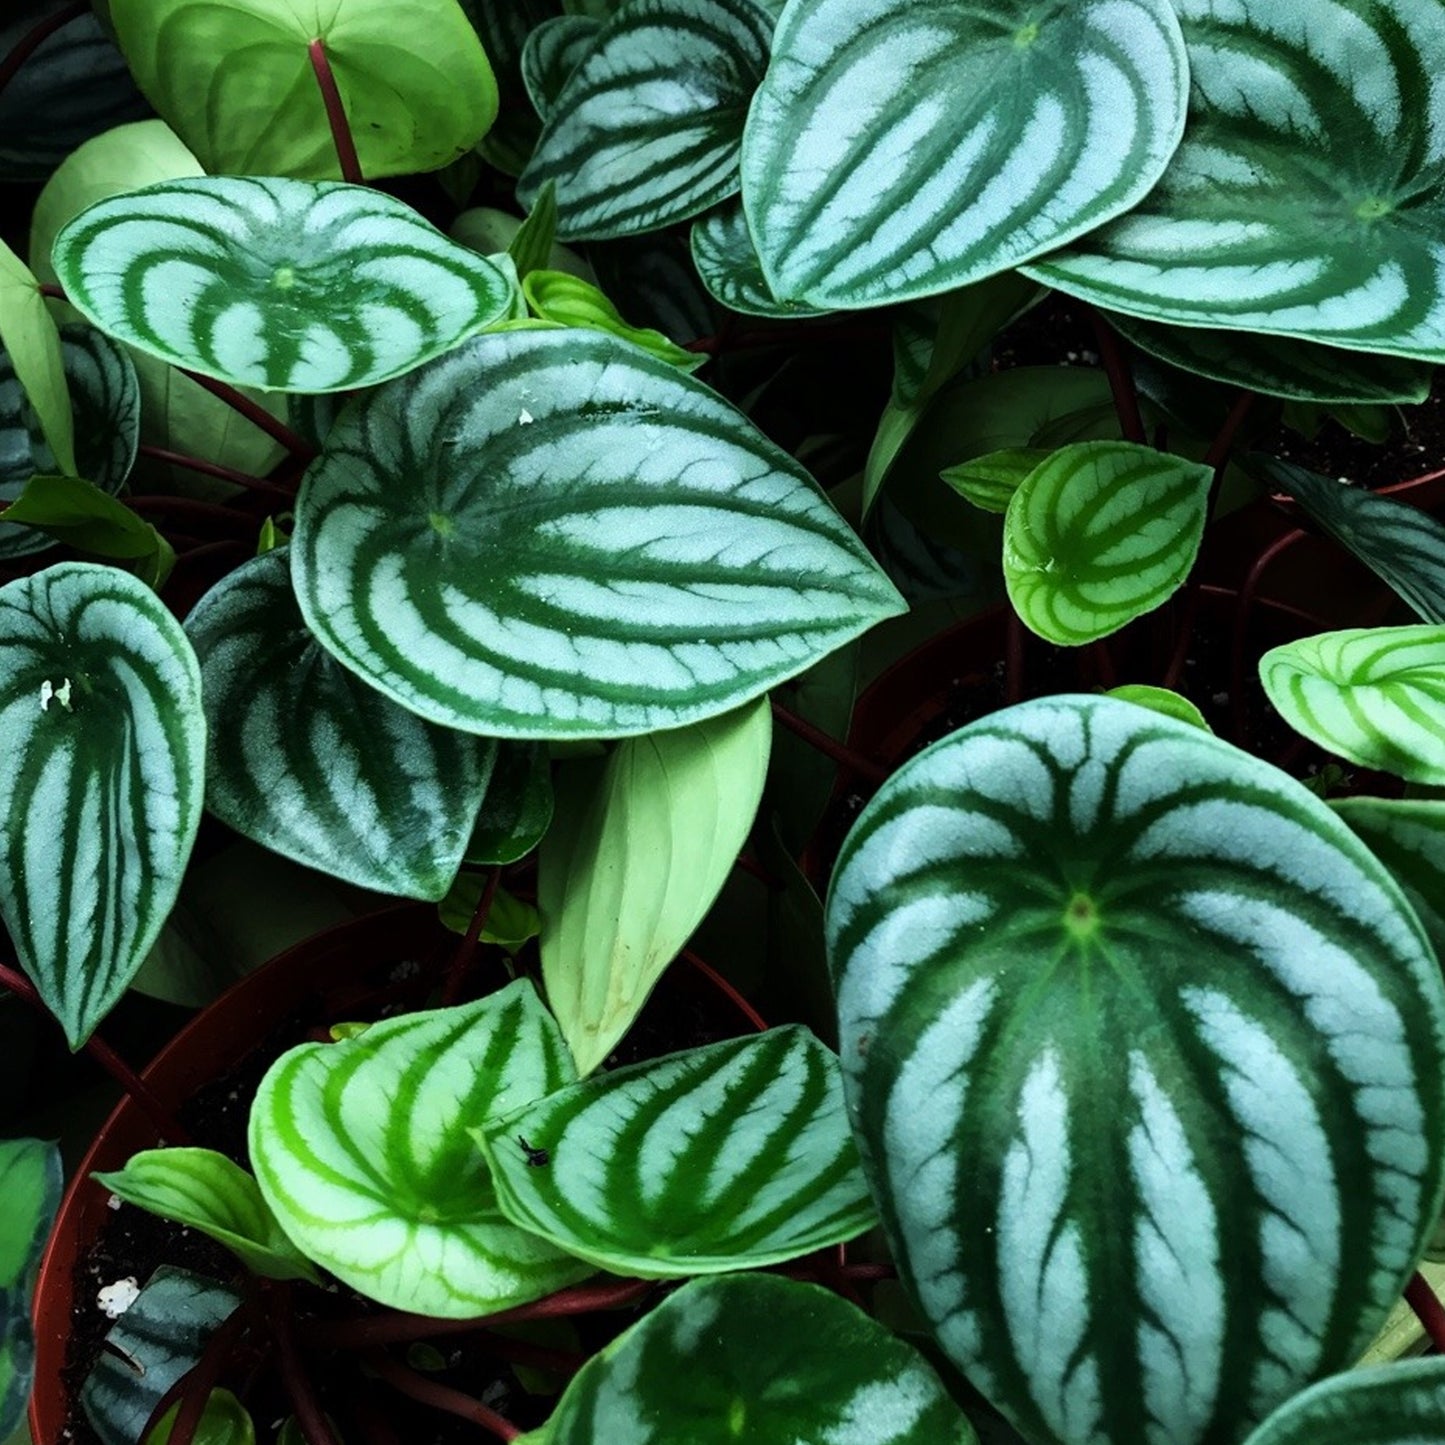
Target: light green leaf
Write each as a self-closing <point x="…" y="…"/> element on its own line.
<point x="361" y="1150"/>
<point x="603" y="548"/>
<point x="552" y="52"/>
<point x="532" y="244"/>
<point x="727" y="261"/>
<point x="556" y="296"/>
<point x="990" y="481"/>
<point x="31" y="341"/>
<point x="73" y="511"/>
<point x="510" y="920"/>
<point x="1161" y="700"/>
<point x="1407" y="835"/>
<point x="633" y="862"/>
<point x="30" y="1185"/>
<point x="1099" y="534"/>
<point x="1374" y="695"/>
<point x="100" y="720"/>
<point x="1116" y="1000"/>
<point x="224" y="1421"/>
<point x="235" y="80"/>
<point x="1401" y="1404"/>
<point x="741" y="1150"/>
<point x="517" y="809"/>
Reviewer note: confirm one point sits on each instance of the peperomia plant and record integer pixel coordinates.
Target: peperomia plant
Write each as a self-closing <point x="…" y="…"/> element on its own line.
<point x="487" y="444"/>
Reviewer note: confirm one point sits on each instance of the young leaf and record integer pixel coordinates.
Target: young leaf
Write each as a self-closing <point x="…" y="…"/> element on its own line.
<point x="73" y="511"/>
<point x="224" y="1421"/>
<point x="990" y="481"/>
<point x="531" y="247"/>
<point x="309" y="761"/>
<point x="1099" y="534"/>
<point x="517" y="808"/>
<point x="630" y="867"/>
<point x="1161" y="700"/>
<point x="205" y="1190"/>
<point x="510" y="921"/>
<point x="542" y="574"/>
<point x="1407" y="835"/>
<point x="361" y="1150"/>
<point x="1145" y="1054"/>
<point x="285" y="285"/>
<point x="552" y="52"/>
<point x="556" y="296"/>
<point x="30" y="1185"/>
<point x="647" y="129"/>
<point x="1401" y="1404"/>
<point x="32" y="345"/>
<point x="727" y="261"/>
<point x="1374" y="695"/>
<point x="694" y="1370"/>
<point x="100" y="721"/>
<point x="1307" y="198"/>
<point x="1008" y="130"/>
<point x="727" y="1157"/>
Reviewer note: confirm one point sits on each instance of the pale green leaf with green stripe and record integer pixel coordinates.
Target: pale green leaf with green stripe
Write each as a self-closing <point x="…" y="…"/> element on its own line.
<point x="1400" y="1404"/>
<point x="1161" y="700"/>
<point x="31" y="341"/>
<point x="30" y="1185"/>
<point x="1407" y="835"/>
<point x="648" y="127"/>
<point x="101" y="726"/>
<point x="990" y="481"/>
<point x="727" y="261"/>
<point x="1145" y="1055"/>
<point x="1374" y="695"/>
<point x="732" y="1156"/>
<point x="752" y="1357"/>
<point x="280" y="284"/>
<point x="899" y="151"/>
<point x="604" y="547"/>
<point x="306" y="759"/>
<point x="361" y="1150"/>
<point x="1100" y="533"/>
<point x="207" y="1191"/>
<point x="224" y="1421"/>
<point x="570" y="301"/>
<point x="1308" y="196"/>
<point x="637" y="853"/>
<point x="551" y="53"/>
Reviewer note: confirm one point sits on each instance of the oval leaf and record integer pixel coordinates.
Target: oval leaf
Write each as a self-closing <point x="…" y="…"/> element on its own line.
<point x="602" y="548"/>
<point x="517" y="809"/>
<point x="1400" y="1404"/>
<point x="1145" y="1054"/>
<point x="551" y="53"/>
<point x="30" y="1185"/>
<point x="279" y="284"/>
<point x="899" y="151"/>
<point x="727" y="261"/>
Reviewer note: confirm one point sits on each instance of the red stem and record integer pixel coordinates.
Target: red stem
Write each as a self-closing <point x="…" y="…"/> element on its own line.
<point x="467" y="950"/>
<point x="1428" y="1310"/>
<point x="441" y="1397"/>
<point x="54" y="292"/>
<point x="1121" y="380"/>
<point x="315" y="1427"/>
<point x="726" y="989"/>
<point x="215" y="469"/>
<point x="190" y="507"/>
<point x="335" y="113"/>
<point x="1243" y="608"/>
<point x="749" y="864"/>
<point x="35" y="37"/>
<point x="194" y="1388"/>
<point x="1223" y="443"/>
<point x="257" y="415"/>
<point x="830" y="747"/>
<point x="1395" y="488"/>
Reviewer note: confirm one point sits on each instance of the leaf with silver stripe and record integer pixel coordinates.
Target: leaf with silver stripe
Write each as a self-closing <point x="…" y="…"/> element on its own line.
<point x="602" y="547"/>
<point x="1308" y="196"/>
<point x="727" y="261"/>
<point x="1407" y="835"/>
<point x="307" y="760"/>
<point x="731" y="1156"/>
<point x="1145" y="1055"/>
<point x="101" y="727"/>
<point x="552" y="52"/>
<point x="504" y="27"/>
<point x="361" y="1150"/>
<point x="280" y="284"/>
<point x="517" y="809"/>
<point x="898" y="151"/>
<point x="1400" y="1404"/>
<point x="648" y="127"/>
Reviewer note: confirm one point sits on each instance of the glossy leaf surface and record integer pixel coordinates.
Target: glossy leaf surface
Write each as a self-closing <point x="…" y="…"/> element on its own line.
<point x="1145" y="1054"/>
<point x="1407" y="835"/>
<point x="1161" y="700"/>
<point x="1401" y="1404"/>
<point x="30" y="1185"/>
<point x="552" y="52"/>
<point x="727" y="261"/>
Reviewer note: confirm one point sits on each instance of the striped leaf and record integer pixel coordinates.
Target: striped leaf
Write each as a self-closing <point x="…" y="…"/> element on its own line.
<point x="552" y="52"/>
<point x="1407" y="835"/>
<point x="752" y="1357"/>
<point x="1145" y="1054"/>
<point x="637" y="854"/>
<point x="30" y="1185"/>
<point x="727" y="1157"/>
<point x="570" y="301"/>
<point x="279" y="284"/>
<point x="306" y="759"/>
<point x="504" y="27"/>
<point x="603" y="547"/>
<point x="648" y="127"/>
<point x="899" y="151"/>
<point x="1099" y="534"/>
<point x="31" y="341"/>
<point x="1399" y="543"/>
<point x="1308" y="196"/>
<point x="517" y="808"/>
<point x="101" y="726"/>
<point x="1374" y="695"/>
<point x="990" y="481"/>
<point x="361" y="1150"/>
<point x="1401" y="1404"/>
<point x="727" y="261"/>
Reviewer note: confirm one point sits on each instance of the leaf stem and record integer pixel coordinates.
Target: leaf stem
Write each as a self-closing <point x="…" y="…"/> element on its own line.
<point x="725" y="988"/>
<point x="257" y="415"/>
<point x="215" y="469"/>
<point x="1243" y="611"/>
<point x="309" y="1415"/>
<point x="35" y="37"/>
<point x="1121" y="380"/>
<point x="194" y="1388"/>
<point x="1218" y="454"/>
<point x="441" y="1397"/>
<point x="189" y="507"/>
<point x="1428" y="1310"/>
<point x="750" y="865"/>
<point x="467" y="950"/>
<point x="830" y="747"/>
<point x="335" y="113"/>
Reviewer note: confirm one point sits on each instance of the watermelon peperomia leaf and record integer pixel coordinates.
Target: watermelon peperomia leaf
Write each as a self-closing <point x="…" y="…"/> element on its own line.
<point x="551" y="53"/>
<point x="727" y="261"/>
<point x="517" y="809"/>
<point x="1161" y="700"/>
<point x="1407" y="835"/>
<point x="1400" y="1404"/>
<point x="1145" y="1054"/>
<point x="30" y="1184"/>
<point x="991" y="480"/>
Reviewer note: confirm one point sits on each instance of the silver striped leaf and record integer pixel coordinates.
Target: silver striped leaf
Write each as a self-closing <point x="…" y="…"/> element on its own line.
<point x="517" y="809"/>
<point x="552" y="52"/>
<point x="899" y="151"/>
<point x="550" y="533"/>
<point x="100" y="798"/>
<point x="1308" y="196"/>
<point x="1401" y="544"/>
<point x="31" y="1180"/>
<point x="732" y="1156"/>
<point x="1400" y="1404"/>
<point x="1145" y="1054"/>
<point x="504" y="27"/>
<point x="307" y="760"/>
<point x="361" y="1150"/>
<point x="727" y="261"/>
<point x="1374" y="695"/>
<point x="1407" y="835"/>
<point x="648" y="128"/>
<point x="280" y="284"/>
<point x="752" y="1357"/>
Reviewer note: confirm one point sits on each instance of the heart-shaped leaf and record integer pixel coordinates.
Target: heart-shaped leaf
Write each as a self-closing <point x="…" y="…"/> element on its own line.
<point x="600" y="546"/>
<point x="30" y="1185"/>
<point x="1307" y="198"/>
<point x="648" y="127"/>
<point x="633" y="861"/>
<point x="517" y="809"/>
<point x="1143" y="1050"/>
<point x="1100" y="533"/>
<point x="719" y="1158"/>
<point x="1401" y="1404"/>
<point x="100" y="721"/>
<point x="285" y="285"/>
<point x="1374" y="695"/>
<point x="1407" y="835"/>
<point x="552" y="52"/>
<point x="727" y="261"/>
<point x="361" y="1150"/>
<point x="308" y="760"/>
<point x="31" y="341"/>
<point x="236" y="80"/>
<point x="693" y="1369"/>
<point x="899" y="151"/>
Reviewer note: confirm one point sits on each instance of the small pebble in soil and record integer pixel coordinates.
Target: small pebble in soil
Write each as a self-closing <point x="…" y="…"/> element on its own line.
<point x="115" y="1299"/>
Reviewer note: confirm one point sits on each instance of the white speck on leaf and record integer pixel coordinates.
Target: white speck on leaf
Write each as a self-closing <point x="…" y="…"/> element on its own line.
<point x="60" y="694"/>
<point x="526" y="418"/>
